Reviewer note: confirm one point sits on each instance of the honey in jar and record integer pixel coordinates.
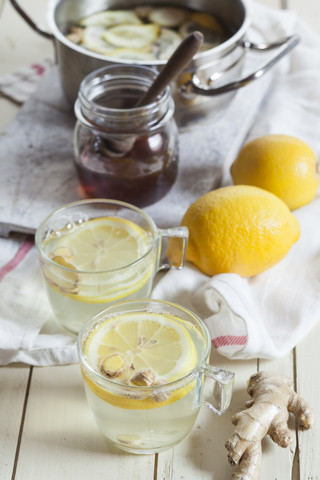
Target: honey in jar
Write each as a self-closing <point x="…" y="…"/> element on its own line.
<point x="124" y="152"/>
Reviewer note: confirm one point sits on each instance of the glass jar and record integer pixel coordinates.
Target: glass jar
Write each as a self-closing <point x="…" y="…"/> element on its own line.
<point x="124" y="152"/>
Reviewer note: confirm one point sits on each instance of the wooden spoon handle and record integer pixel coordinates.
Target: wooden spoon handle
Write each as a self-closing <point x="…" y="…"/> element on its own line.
<point x="175" y="65"/>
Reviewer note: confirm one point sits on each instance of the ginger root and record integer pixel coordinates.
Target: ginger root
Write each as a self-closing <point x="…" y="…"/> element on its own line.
<point x="272" y="399"/>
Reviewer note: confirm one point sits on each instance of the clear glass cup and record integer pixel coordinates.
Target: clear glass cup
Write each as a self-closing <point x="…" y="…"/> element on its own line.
<point x="122" y="151"/>
<point x="75" y="294"/>
<point x="149" y="419"/>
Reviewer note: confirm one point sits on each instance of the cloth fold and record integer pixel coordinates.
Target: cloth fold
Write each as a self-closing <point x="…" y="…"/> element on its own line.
<point x="260" y="317"/>
<point x="19" y="85"/>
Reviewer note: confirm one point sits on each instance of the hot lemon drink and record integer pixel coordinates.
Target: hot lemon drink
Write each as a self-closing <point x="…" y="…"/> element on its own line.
<point x="143" y="365"/>
<point x="94" y="253"/>
<point x="144" y="350"/>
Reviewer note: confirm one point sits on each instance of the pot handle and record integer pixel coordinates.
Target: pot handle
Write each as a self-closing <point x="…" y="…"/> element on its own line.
<point x="286" y="45"/>
<point x="30" y="22"/>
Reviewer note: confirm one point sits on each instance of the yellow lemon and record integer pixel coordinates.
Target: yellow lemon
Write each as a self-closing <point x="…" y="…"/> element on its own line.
<point x="141" y="349"/>
<point x="239" y="229"/>
<point x="281" y="164"/>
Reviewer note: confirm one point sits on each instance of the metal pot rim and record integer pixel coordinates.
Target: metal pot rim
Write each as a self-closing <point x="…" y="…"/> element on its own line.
<point x="201" y="58"/>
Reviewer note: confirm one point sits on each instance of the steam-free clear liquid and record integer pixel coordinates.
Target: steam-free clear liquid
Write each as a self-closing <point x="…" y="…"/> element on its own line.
<point x="150" y="430"/>
<point x="141" y="420"/>
<point x="72" y="312"/>
<point x="75" y="296"/>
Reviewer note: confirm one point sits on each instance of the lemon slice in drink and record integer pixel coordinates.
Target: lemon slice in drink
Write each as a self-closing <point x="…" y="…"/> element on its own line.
<point x="104" y="243"/>
<point x="108" y="247"/>
<point x="148" y="349"/>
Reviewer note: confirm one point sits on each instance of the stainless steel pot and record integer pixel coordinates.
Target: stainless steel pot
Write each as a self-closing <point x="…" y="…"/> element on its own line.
<point x="211" y="73"/>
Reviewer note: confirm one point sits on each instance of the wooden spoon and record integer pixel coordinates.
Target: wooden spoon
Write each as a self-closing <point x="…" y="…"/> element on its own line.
<point x="180" y="58"/>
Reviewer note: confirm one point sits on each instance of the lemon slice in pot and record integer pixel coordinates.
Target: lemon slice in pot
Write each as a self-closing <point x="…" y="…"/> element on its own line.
<point x="132" y="36"/>
<point x="206" y="20"/>
<point x="168" y="16"/>
<point x="110" y="18"/>
<point x="166" y="43"/>
<point x="92" y="39"/>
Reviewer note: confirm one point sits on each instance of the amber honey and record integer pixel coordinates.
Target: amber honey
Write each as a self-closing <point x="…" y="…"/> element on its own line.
<point x="142" y="176"/>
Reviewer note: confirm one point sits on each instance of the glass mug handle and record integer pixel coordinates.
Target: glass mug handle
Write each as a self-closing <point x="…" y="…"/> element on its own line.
<point x="222" y="388"/>
<point x="174" y="240"/>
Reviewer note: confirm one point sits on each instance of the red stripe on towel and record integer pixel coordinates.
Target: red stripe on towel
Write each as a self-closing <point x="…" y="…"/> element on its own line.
<point x="19" y="256"/>
<point x="229" y="340"/>
<point x="39" y="69"/>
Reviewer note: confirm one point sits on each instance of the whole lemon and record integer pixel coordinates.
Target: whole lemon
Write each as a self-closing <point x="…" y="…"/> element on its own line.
<point x="240" y="229"/>
<point x="281" y="164"/>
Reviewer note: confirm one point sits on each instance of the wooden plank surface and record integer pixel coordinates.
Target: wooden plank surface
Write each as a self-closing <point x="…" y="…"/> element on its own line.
<point x="13" y="391"/>
<point x="308" y="385"/>
<point x="60" y="439"/>
<point x="59" y="430"/>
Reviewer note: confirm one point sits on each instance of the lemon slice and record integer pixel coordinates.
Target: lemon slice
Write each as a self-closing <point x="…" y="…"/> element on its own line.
<point x="110" y="17"/>
<point x="97" y="260"/>
<point x="132" y="36"/>
<point x="152" y="341"/>
<point x="92" y="39"/>
<point x="206" y="20"/>
<point x="149" y="349"/>
<point x="166" y="43"/>
<point x="103" y="243"/>
<point x="168" y="16"/>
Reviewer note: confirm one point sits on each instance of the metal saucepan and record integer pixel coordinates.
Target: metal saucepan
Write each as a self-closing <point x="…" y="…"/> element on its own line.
<point x="211" y="73"/>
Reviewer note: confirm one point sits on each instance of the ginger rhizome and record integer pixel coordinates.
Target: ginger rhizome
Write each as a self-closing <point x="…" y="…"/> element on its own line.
<point x="272" y="400"/>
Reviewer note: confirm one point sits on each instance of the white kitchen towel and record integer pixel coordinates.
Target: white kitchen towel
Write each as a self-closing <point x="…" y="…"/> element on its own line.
<point x="29" y="332"/>
<point x="263" y="316"/>
<point x="19" y="85"/>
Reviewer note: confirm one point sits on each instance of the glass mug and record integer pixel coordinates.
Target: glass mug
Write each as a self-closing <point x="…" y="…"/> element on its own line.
<point x="138" y="410"/>
<point x="96" y="252"/>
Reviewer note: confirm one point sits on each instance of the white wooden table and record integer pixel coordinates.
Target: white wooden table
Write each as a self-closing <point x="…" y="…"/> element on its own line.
<point x="46" y="430"/>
